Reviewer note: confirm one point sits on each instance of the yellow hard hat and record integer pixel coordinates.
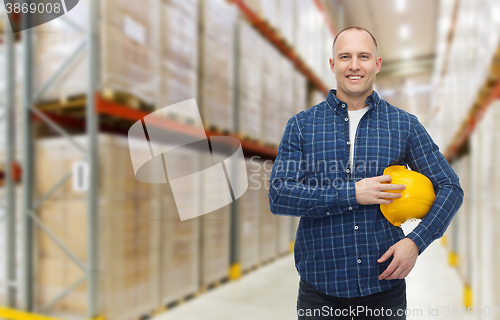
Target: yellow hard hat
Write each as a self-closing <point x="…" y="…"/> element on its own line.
<point x="416" y="199"/>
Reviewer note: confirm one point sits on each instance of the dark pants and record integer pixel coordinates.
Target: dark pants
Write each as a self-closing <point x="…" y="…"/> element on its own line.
<point x="313" y="304"/>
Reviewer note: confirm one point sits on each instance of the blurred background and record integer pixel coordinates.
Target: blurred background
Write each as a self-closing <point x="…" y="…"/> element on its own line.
<point x="81" y="237"/>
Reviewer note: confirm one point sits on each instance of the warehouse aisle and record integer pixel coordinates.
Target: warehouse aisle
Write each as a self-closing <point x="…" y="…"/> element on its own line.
<point x="270" y="293"/>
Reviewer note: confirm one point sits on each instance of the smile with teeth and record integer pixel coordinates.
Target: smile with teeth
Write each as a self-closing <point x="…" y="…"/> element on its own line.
<point x="354" y="77"/>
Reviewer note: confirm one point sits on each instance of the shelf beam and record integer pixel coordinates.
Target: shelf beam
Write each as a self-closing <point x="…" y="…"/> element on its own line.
<point x="469" y="124"/>
<point x="111" y="108"/>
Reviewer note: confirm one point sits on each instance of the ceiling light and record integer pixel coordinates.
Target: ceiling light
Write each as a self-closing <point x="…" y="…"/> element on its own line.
<point x="400" y="5"/>
<point x="404" y="32"/>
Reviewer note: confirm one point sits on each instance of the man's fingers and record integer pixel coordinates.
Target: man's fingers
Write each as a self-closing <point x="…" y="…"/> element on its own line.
<point x="391" y="186"/>
<point x="387" y="272"/>
<point x="384" y="178"/>
<point x="398" y="273"/>
<point x="383" y="201"/>
<point x="386" y="255"/>
<point x="389" y="195"/>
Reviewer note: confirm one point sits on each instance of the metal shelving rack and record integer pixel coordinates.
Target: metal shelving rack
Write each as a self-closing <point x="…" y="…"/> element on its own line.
<point x="95" y="105"/>
<point x="9" y="180"/>
<point x="24" y="281"/>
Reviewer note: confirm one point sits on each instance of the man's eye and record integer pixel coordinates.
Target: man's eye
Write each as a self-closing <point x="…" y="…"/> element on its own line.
<point x="343" y="57"/>
<point x="364" y="57"/>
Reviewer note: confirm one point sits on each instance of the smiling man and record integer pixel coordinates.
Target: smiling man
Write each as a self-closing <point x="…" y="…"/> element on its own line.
<point x="329" y="171"/>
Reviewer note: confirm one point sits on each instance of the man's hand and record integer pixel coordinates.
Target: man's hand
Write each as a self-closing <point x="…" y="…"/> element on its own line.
<point x="373" y="190"/>
<point x="405" y="254"/>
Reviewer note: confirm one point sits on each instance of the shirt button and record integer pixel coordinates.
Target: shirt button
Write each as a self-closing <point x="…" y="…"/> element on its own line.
<point x="328" y="213"/>
<point x="359" y="260"/>
<point x="346" y="119"/>
<point x="348" y="171"/>
<point x="343" y="105"/>
<point x="355" y="227"/>
<point x="350" y="208"/>
<point x="348" y="142"/>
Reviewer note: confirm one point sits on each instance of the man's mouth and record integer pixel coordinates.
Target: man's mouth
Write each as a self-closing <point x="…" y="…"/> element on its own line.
<point x="354" y="77"/>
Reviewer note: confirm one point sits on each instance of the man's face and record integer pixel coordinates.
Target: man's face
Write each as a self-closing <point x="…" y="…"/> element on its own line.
<point x="355" y="63"/>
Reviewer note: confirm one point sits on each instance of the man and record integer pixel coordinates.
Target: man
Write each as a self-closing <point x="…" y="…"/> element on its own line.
<point x="329" y="171"/>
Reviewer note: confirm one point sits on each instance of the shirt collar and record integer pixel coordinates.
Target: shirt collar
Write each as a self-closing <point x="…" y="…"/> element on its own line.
<point x="335" y="104"/>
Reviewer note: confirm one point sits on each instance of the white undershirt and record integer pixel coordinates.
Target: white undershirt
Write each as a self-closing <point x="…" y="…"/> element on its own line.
<point x="354" y="117"/>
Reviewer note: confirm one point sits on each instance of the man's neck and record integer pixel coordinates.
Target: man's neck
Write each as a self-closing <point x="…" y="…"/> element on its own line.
<point x="354" y="103"/>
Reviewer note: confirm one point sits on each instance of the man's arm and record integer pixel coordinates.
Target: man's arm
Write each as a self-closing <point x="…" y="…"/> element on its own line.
<point x="423" y="156"/>
<point x="288" y="193"/>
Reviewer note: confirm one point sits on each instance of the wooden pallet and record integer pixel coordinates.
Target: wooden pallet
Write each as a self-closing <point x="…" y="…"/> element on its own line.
<point x="181" y="119"/>
<point x="126" y="99"/>
<point x="244" y="137"/>
<point x="76" y="105"/>
<point x="270" y="145"/>
<point x="218" y="130"/>
<point x="72" y="105"/>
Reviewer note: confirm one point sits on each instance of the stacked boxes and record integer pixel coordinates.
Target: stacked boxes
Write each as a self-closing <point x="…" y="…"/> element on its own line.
<point x="312" y="35"/>
<point x="121" y="225"/>
<point x="146" y="256"/>
<point x="179" y="240"/>
<point x="271" y="95"/>
<point x="269" y="223"/>
<point x="178" y="52"/>
<point x="218" y="19"/>
<point x="282" y="235"/>
<point x="287" y="96"/>
<point x="300" y="91"/>
<point x="250" y="75"/>
<point x="215" y="228"/>
<point x="247" y="215"/>
<point x="128" y="50"/>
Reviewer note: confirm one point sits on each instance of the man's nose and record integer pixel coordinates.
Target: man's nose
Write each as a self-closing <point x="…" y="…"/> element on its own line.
<point x="354" y="64"/>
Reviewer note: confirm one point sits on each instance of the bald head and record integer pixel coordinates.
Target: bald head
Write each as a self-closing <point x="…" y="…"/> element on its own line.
<point x="350" y="29"/>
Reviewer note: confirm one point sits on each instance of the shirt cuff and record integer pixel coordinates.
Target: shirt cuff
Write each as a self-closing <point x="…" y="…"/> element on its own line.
<point x="347" y="197"/>
<point x="421" y="238"/>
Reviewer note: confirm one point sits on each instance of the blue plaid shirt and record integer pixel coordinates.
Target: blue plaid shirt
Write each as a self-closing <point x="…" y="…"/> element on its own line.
<point x="339" y="241"/>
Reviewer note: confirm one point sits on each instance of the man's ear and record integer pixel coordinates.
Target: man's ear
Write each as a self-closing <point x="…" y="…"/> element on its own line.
<point x="378" y="64"/>
<point x="332" y="64"/>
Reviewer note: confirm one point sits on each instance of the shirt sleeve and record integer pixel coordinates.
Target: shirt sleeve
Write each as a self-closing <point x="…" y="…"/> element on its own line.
<point x="289" y="193"/>
<point x="423" y="156"/>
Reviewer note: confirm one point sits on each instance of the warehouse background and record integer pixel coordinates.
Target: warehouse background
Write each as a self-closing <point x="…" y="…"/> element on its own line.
<point x="82" y="238"/>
